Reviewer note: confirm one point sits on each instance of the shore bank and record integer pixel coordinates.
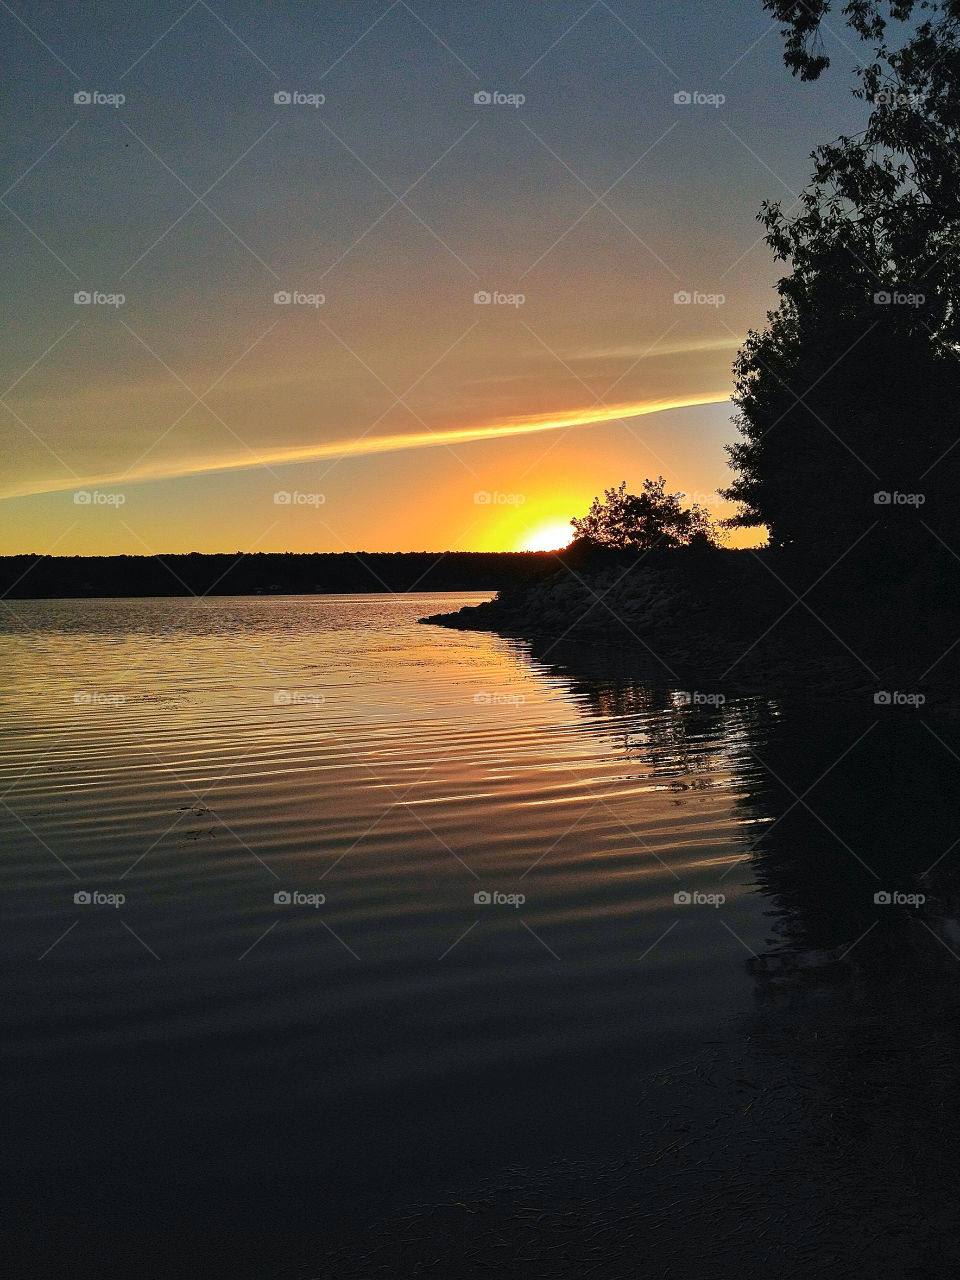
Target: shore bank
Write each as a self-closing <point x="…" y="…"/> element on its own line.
<point x="740" y="621"/>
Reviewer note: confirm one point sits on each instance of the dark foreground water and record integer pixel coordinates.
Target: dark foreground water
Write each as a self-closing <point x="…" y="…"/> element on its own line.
<point x="310" y="912"/>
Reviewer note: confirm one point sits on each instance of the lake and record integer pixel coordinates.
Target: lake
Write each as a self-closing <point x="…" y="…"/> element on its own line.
<point x="312" y="912"/>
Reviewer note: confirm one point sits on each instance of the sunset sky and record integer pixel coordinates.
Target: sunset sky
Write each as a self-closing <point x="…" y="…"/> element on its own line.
<point x="398" y="413"/>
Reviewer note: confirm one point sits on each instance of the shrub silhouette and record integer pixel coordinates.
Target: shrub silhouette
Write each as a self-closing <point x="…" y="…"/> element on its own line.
<point x="652" y="518"/>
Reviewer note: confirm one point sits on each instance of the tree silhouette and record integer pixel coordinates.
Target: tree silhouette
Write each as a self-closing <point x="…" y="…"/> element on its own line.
<point x="853" y="387"/>
<point x="622" y="520"/>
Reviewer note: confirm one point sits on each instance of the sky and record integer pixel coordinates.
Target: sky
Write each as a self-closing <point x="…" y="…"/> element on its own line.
<point x="499" y="305"/>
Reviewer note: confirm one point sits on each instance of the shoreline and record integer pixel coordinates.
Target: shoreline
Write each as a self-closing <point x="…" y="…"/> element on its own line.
<point x="735" y="623"/>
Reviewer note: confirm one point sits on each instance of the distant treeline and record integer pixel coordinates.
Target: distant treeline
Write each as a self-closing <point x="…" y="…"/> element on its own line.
<point x="267" y="573"/>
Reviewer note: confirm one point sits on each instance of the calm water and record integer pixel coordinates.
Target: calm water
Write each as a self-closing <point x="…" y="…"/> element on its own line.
<point x="208" y="1076"/>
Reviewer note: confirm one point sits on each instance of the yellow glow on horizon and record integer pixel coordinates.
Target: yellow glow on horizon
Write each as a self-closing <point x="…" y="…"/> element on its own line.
<point x="550" y="536"/>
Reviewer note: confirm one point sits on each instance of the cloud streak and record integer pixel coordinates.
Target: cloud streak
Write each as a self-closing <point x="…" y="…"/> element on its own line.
<point x="363" y="446"/>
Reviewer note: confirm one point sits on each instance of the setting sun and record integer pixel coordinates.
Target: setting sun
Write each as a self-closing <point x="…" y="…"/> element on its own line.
<point x="550" y="536"/>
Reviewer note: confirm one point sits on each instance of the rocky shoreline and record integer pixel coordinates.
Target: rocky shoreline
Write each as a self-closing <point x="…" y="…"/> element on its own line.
<point x="741" y="622"/>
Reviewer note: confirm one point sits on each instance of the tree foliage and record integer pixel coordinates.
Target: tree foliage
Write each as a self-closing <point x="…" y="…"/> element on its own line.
<point x="868" y="19"/>
<point x="854" y="385"/>
<point x="652" y="518"/>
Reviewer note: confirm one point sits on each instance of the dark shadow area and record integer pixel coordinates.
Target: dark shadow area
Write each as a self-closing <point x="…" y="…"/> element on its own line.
<point x="818" y="1137"/>
<point x="840" y="802"/>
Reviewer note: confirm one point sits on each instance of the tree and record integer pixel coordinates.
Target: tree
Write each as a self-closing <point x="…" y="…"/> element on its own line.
<point x="640" y="521"/>
<point x="854" y="386"/>
<point x="869" y="19"/>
